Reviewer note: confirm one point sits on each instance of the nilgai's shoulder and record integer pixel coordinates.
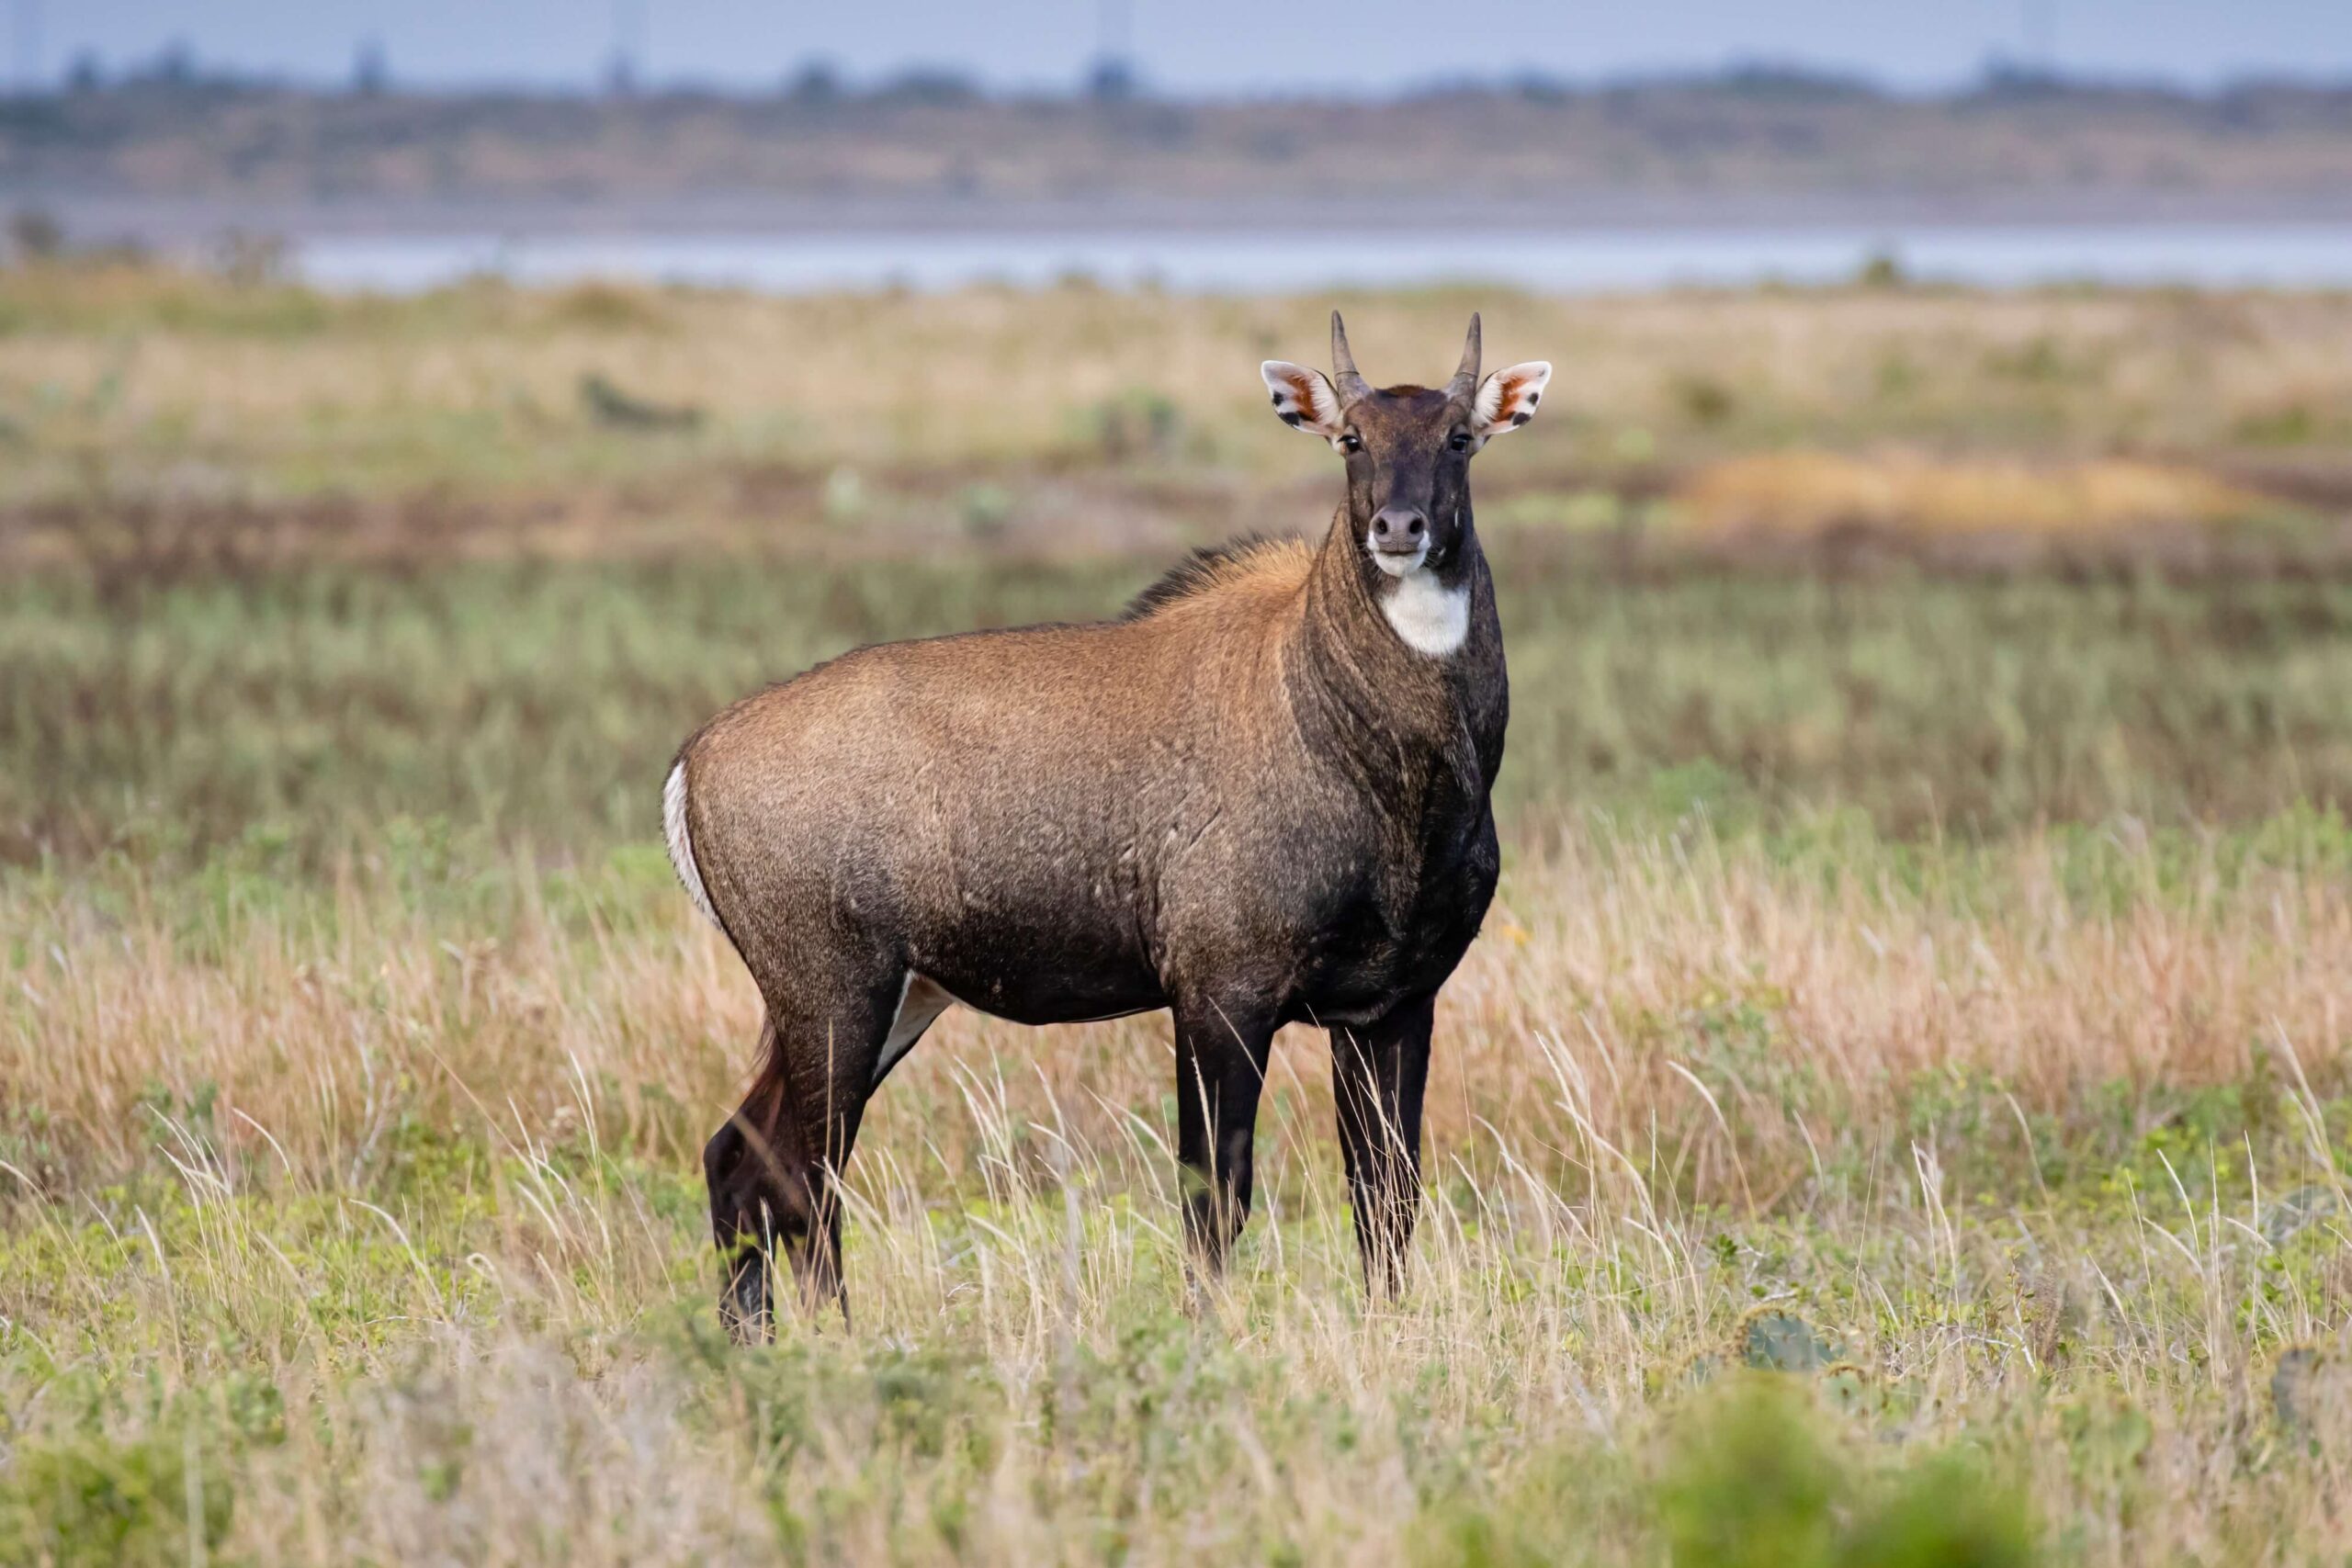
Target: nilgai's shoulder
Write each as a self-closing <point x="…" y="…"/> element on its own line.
<point x="1246" y="566"/>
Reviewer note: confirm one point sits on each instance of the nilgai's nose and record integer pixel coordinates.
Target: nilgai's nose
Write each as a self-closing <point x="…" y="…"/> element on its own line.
<point x="1393" y="528"/>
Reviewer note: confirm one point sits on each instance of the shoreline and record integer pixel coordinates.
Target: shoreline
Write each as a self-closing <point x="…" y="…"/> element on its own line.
<point x="114" y="216"/>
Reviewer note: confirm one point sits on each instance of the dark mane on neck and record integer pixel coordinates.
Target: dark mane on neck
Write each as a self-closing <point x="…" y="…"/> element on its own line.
<point x="1219" y="565"/>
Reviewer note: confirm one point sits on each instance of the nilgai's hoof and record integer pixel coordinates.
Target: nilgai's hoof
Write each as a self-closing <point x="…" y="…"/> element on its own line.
<point x="744" y="1306"/>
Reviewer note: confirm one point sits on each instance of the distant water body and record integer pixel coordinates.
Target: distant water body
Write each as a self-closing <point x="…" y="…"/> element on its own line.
<point x="2275" y="254"/>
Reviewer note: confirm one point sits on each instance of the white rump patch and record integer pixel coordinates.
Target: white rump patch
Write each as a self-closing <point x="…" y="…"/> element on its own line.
<point x="920" y="1000"/>
<point x="682" y="843"/>
<point x="1432" y="618"/>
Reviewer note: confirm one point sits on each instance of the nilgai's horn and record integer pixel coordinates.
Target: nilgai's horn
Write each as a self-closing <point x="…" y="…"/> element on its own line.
<point x="1344" y="375"/>
<point x="1466" y="380"/>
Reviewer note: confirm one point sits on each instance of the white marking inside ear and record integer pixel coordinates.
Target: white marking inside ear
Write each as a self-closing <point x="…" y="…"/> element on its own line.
<point x="1303" y="399"/>
<point x="682" y="843"/>
<point x="920" y="1000"/>
<point x="1432" y="618"/>
<point x="1508" y="399"/>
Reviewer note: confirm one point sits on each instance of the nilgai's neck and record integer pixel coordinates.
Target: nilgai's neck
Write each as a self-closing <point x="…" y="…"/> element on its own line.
<point x="1360" y="689"/>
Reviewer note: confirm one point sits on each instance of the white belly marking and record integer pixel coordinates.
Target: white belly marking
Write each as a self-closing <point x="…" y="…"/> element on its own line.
<point x="921" y="999"/>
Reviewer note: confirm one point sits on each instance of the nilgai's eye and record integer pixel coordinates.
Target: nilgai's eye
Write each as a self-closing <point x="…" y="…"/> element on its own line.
<point x="1350" y="442"/>
<point x="1458" y="442"/>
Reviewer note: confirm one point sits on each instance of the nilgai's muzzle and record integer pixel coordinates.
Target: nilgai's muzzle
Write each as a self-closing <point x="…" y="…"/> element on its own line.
<point x="1399" y="531"/>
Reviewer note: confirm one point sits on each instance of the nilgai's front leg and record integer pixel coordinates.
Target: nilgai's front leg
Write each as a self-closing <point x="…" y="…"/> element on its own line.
<point x="1378" y="1074"/>
<point x="1221" y="1045"/>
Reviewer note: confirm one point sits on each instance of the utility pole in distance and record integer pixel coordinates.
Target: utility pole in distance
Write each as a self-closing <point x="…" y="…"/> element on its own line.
<point x="1114" y="74"/>
<point x="628" y="46"/>
<point x="29" y="47"/>
<point x="2041" y="36"/>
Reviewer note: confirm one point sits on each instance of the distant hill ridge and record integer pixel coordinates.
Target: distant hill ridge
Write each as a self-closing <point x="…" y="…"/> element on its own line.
<point x="933" y="137"/>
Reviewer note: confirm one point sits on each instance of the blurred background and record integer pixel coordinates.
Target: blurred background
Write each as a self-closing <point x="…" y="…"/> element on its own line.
<point x="1557" y="148"/>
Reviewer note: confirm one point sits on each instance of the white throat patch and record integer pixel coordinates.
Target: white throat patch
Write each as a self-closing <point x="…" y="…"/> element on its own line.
<point x="1432" y="618"/>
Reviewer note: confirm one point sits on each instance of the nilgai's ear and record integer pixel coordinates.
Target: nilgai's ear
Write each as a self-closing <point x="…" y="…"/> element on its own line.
<point x="1507" y="398"/>
<point x="1302" y="397"/>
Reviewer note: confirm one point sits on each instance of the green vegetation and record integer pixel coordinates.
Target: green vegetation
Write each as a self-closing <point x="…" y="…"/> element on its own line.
<point x="306" y="714"/>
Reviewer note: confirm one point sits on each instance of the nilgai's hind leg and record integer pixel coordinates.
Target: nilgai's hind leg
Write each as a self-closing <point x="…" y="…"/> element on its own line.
<point x="1378" y="1074"/>
<point x="773" y="1169"/>
<point x="1220" y="1067"/>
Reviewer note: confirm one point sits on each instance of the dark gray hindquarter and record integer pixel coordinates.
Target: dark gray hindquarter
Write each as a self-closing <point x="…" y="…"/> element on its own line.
<point x="1350" y="955"/>
<point x="1040" y="964"/>
<point x="1041" y="909"/>
<point x="1315" y="918"/>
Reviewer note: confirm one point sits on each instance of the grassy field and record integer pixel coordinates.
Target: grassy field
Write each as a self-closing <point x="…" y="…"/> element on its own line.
<point x="1895" y="1114"/>
<point x="134" y="382"/>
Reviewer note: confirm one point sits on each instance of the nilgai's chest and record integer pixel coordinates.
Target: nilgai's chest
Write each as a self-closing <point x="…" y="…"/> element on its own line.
<point x="1446" y="877"/>
<point x="1407" y="860"/>
<point x="1451" y="871"/>
<point x="1410" y="886"/>
<point x="1399" y="926"/>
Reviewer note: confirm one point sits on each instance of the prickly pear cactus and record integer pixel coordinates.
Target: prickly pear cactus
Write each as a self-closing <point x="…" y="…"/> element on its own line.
<point x="2308" y="1392"/>
<point x="1847" y="1386"/>
<point x="2296" y="1211"/>
<point x="1776" y="1341"/>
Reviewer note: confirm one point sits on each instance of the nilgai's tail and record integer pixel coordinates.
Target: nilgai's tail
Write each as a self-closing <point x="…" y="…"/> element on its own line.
<point x="682" y="841"/>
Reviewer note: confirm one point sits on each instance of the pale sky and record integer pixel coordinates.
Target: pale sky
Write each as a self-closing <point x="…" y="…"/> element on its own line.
<point x="1195" y="46"/>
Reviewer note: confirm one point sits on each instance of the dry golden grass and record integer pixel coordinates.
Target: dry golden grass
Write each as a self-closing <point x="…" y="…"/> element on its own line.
<point x="1818" y="998"/>
<point x="140" y="381"/>
<point x="1812" y="491"/>
<point x="1748" y="1014"/>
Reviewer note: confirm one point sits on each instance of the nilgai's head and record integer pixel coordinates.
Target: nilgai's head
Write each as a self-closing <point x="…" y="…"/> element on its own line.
<point x="1408" y="448"/>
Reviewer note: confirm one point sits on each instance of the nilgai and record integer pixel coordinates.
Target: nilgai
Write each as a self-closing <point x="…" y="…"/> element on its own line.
<point x="1260" y="797"/>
